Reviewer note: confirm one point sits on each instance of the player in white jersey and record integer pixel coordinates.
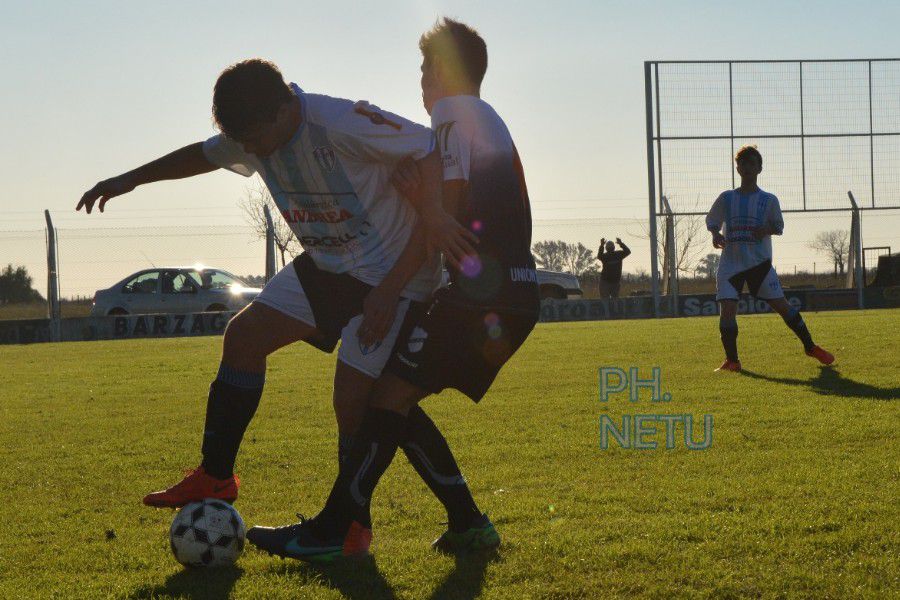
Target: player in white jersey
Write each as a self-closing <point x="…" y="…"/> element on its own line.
<point x="750" y="217"/>
<point x="470" y="330"/>
<point x="327" y="163"/>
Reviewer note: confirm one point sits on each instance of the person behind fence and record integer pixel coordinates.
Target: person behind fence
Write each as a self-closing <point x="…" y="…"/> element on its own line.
<point x="611" y="274"/>
<point x="751" y="217"/>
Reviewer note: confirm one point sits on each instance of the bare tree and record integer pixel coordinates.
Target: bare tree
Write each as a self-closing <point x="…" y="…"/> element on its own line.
<point x="708" y="265"/>
<point x="690" y="239"/>
<point x="577" y="259"/>
<point x="835" y="244"/>
<point x="548" y="254"/>
<point x="257" y="198"/>
<point x="561" y="256"/>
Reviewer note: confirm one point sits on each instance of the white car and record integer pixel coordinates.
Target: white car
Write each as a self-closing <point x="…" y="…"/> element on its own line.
<point x="552" y="284"/>
<point x="174" y="290"/>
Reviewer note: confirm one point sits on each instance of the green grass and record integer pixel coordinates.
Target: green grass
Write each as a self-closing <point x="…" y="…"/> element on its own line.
<point x="797" y="497"/>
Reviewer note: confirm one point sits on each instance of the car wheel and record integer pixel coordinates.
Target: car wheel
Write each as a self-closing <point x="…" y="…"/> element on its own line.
<point x="216" y="308"/>
<point x="553" y="291"/>
<point x="117" y="311"/>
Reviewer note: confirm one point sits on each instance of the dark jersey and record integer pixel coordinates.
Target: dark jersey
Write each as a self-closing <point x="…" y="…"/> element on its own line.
<point x="612" y="263"/>
<point x="476" y="147"/>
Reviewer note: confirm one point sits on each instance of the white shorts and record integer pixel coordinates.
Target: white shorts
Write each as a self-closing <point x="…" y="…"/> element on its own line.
<point x="762" y="282"/>
<point x="285" y="293"/>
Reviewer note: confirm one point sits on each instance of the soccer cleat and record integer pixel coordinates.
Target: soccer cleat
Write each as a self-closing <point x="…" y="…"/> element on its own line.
<point x="481" y="536"/>
<point x="195" y="486"/>
<point x="301" y="542"/>
<point x="730" y="365"/>
<point x="823" y="356"/>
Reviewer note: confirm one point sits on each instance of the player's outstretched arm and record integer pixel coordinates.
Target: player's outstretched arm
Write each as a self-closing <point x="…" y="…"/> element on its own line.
<point x="624" y="248"/>
<point x="182" y="163"/>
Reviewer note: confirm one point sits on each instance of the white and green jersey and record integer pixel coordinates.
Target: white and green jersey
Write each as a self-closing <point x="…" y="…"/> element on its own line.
<point x="741" y="214"/>
<point x="331" y="182"/>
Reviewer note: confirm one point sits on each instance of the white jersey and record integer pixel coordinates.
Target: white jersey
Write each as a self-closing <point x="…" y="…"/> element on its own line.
<point x="331" y="182"/>
<point x="741" y="214"/>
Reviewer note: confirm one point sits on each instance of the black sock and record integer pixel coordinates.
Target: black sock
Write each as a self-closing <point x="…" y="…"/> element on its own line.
<point x="344" y="442"/>
<point x="233" y="400"/>
<point x="729" y="331"/>
<point x="428" y="452"/>
<point x="371" y="452"/>
<point x="794" y="320"/>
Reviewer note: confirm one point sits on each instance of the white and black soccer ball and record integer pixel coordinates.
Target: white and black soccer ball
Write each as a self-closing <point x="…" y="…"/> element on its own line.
<point x="207" y="534"/>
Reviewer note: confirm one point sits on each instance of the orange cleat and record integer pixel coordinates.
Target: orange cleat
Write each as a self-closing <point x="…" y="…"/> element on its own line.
<point x="730" y="365"/>
<point x="823" y="356"/>
<point x="195" y="486"/>
<point x="357" y="540"/>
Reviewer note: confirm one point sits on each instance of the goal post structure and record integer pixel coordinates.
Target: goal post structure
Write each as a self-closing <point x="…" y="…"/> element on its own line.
<point x="824" y="128"/>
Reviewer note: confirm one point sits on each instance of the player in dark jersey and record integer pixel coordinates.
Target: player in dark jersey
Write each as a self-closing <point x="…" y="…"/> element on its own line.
<point x="469" y="331"/>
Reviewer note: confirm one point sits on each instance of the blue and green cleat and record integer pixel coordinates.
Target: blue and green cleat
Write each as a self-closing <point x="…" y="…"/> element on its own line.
<point x="480" y="536"/>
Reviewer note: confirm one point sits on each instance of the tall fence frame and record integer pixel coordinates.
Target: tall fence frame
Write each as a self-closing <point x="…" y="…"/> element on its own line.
<point x="656" y="137"/>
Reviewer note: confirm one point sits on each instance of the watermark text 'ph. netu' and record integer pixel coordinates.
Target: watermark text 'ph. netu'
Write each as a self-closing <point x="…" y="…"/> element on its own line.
<point x="647" y="430"/>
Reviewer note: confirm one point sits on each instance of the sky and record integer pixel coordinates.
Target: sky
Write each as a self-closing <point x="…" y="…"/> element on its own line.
<point x="92" y="89"/>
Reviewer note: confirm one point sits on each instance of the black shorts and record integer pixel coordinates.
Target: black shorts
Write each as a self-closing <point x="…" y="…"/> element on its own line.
<point x="334" y="298"/>
<point x="449" y="345"/>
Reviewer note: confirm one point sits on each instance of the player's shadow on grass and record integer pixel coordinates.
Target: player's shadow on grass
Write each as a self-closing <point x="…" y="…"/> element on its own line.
<point x="466" y="580"/>
<point x="196" y="584"/>
<point x="830" y="382"/>
<point x="357" y="578"/>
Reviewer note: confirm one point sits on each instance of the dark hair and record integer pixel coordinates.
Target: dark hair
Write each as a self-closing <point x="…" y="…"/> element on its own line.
<point x="748" y="151"/>
<point x="459" y="46"/>
<point x="247" y="94"/>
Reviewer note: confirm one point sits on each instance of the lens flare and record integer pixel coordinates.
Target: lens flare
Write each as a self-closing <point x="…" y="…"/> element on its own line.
<point x="471" y="266"/>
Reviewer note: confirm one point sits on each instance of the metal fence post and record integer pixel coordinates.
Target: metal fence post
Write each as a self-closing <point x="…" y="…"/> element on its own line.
<point x="651" y="189"/>
<point x="270" y="244"/>
<point x="53" y="310"/>
<point x="671" y="268"/>
<point x="855" y="259"/>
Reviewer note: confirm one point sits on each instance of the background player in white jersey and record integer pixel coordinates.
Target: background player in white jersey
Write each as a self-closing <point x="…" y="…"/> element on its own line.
<point x="471" y="328"/>
<point x="750" y="216"/>
<point x="327" y="163"/>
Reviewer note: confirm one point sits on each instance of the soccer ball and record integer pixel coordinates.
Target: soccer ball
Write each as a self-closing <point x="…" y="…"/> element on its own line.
<point x="209" y="533"/>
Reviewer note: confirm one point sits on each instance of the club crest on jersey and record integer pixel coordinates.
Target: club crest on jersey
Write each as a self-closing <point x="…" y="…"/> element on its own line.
<point x="376" y="118"/>
<point x="325" y="157"/>
<point x="368" y="348"/>
<point x="416" y="339"/>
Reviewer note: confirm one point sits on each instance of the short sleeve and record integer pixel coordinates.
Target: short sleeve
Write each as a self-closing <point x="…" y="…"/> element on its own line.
<point x="716" y="215"/>
<point x="775" y="219"/>
<point x="456" y="152"/>
<point x="375" y="135"/>
<point x="228" y="154"/>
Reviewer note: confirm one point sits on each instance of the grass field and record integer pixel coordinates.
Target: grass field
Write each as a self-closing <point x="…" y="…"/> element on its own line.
<point x="797" y="496"/>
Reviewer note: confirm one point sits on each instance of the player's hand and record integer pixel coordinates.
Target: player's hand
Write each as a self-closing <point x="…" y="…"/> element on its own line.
<point x="407" y="180"/>
<point x="446" y="234"/>
<point x="103" y="191"/>
<point x="619" y="241"/>
<point x="379" y="311"/>
<point x="602" y="242"/>
<point x="761" y="232"/>
<point x="718" y="240"/>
